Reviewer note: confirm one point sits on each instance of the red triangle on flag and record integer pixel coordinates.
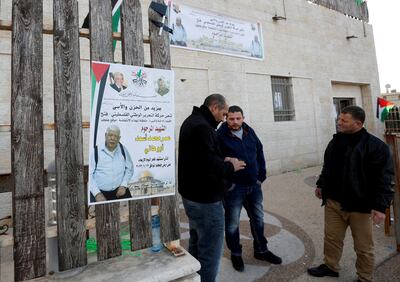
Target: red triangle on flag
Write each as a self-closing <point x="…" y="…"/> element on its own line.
<point x="99" y="69"/>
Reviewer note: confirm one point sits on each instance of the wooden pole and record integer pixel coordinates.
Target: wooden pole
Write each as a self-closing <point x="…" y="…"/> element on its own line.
<point x="68" y="136"/>
<point x="161" y="58"/>
<point x="394" y="143"/>
<point x="133" y="54"/>
<point x="107" y="215"/>
<point x="27" y="140"/>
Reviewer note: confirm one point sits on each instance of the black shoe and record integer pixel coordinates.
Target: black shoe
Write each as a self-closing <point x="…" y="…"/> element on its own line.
<point x="237" y="263"/>
<point x="321" y="271"/>
<point x="268" y="256"/>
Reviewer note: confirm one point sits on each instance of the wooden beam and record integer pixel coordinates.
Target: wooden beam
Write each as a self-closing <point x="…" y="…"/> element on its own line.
<point x="161" y="58"/>
<point x="27" y="140"/>
<point x="83" y="32"/>
<point x="133" y="54"/>
<point x="71" y="212"/>
<point x="46" y="126"/>
<point x="107" y="215"/>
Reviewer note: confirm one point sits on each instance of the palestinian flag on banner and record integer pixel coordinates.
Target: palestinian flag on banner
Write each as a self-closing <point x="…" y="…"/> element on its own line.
<point x="382" y="108"/>
<point x="98" y="77"/>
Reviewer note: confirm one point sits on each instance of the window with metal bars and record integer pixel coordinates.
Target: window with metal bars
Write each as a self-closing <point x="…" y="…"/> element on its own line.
<point x="282" y="98"/>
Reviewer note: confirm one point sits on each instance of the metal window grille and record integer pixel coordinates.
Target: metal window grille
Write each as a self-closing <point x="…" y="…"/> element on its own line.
<point x="282" y="98"/>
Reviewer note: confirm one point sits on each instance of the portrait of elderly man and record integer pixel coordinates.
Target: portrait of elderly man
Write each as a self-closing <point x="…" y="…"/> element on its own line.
<point x="117" y="81"/>
<point x="111" y="168"/>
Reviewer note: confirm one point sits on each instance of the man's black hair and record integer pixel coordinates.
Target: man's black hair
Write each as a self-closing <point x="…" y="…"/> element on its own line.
<point x="356" y="112"/>
<point x="235" y="109"/>
<point x="215" y="99"/>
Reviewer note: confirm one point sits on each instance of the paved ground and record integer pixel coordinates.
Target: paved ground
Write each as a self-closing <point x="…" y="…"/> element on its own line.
<point x="294" y="226"/>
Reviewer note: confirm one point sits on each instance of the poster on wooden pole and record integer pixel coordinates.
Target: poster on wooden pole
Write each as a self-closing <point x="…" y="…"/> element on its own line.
<point x="132" y="145"/>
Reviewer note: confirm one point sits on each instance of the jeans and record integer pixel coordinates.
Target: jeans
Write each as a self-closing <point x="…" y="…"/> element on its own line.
<point x="206" y="224"/>
<point x="251" y="198"/>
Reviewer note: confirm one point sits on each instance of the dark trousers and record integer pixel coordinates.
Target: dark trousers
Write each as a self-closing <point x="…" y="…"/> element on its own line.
<point x="251" y="198"/>
<point x="206" y="224"/>
<point x="112" y="195"/>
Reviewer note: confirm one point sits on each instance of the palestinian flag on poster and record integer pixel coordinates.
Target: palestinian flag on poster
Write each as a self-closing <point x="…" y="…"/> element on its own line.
<point x="98" y="77"/>
<point x="382" y="108"/>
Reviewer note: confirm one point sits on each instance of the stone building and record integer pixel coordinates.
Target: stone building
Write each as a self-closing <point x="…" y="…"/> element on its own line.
<point x="320" y="57"/>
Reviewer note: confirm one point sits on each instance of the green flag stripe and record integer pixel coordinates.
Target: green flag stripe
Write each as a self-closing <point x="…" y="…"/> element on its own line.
<point x="115" y="23"/>
<point x="93" y="77"/>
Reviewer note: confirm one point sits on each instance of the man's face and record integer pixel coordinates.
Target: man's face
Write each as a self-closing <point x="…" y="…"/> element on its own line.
<point x="346" y="124"/>
<point x="112" y="140"/>
<point x="119" y="79"/>
<point x="178" y="21"/>
<point x="219" y="114"/>
<point x="235" y="120"/>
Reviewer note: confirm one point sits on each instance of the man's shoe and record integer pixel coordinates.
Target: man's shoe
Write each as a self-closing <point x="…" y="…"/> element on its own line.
<point x="237" y="263"/>
<point x="268" y="256"/>
<point x="321" y="271"/>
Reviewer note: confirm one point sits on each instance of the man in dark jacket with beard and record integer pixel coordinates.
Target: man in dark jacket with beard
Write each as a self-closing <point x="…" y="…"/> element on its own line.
<point x="356" y="187"/>
<point x="239" y="140"/>
<point x="202" y="171"/>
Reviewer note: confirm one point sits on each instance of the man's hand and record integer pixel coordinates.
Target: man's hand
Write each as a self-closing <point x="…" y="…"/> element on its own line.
<point x="100" y="197"/>
<point x="121" y="191"/>
<point x="237" y="164"/>
<point x="318" y="193"/>
<point x="377" y="216"/>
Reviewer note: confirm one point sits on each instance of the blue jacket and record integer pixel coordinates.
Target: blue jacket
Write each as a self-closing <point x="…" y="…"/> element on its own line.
<point x="249" y="149"/>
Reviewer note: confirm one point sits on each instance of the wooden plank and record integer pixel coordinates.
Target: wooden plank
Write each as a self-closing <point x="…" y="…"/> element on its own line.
<point x="68" y="136"/>
<point x="133" y="54"/>
<point x="27" y="140"/>
<point x="396" y="201"/>
<point x="83" y="32"/>
<point x="161" y="58"/>
<point x="107" y="215"/>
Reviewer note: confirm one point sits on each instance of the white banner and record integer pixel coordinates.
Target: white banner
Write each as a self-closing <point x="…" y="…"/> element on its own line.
<point x="136" y="103"/>
<point x="211" y="32"/>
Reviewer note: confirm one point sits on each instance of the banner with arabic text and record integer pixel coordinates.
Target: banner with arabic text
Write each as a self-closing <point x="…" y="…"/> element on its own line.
<point x="132" y="146"/>
<point x="212" y="32"/>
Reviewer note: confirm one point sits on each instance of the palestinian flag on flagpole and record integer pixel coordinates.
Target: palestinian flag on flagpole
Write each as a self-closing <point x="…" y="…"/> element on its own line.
<point x="382" y="108"/>
<point x="116" y="18"/>
<point x="359" y="2"/>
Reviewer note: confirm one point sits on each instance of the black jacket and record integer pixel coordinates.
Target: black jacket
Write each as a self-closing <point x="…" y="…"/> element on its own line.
<point x="248" y="149"/>
<point x="201" y="167"/>
<point x="367" y="175"/>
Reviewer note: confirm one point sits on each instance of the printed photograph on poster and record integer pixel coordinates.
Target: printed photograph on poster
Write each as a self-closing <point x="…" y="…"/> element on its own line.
<point x="132" y="146"/>
<point x="203" y="30"/>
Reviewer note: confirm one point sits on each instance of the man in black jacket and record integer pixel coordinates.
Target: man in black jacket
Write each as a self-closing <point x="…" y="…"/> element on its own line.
<point x="202" y="171"/>
<point x="239" y="140"/>
<point x="356" y="187"/>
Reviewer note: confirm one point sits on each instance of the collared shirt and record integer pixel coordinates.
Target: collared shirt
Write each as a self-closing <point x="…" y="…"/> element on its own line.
<point x="112" y="170"/>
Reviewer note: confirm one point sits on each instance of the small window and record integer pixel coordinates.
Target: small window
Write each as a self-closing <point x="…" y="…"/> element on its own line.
<point x="282" y="98"/>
